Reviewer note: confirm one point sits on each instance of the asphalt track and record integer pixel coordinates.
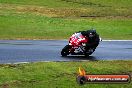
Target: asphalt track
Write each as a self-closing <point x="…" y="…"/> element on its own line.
<point x="14" y="51"/>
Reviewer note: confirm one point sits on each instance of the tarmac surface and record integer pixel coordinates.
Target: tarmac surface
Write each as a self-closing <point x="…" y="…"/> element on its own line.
<point x="20" y="51"/>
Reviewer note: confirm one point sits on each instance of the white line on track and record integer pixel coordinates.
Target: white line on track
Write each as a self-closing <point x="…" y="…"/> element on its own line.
<point x="107" y="40"/>
<point x="117" y="40"/>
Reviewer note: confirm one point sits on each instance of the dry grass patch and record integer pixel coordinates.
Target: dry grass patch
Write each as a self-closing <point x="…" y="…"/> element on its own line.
<point x="49" y="12"/>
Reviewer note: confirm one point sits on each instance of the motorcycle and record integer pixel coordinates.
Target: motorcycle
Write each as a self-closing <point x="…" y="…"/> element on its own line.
<point x="77" y="46"/>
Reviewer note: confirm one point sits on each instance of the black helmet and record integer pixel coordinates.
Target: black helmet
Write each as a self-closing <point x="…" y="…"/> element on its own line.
<point x="91" y="33"/>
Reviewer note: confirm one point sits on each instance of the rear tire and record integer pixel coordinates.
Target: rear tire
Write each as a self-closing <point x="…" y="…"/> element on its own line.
<point x="89" y="53"/>
<point x="65" y="51"/>
<point x="86" y="55"/>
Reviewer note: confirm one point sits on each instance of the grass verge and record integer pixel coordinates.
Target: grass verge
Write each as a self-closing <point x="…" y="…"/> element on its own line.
<point x="30" y="26"/>
<point x="60" y="74"/>
<point x="58" y="19"/>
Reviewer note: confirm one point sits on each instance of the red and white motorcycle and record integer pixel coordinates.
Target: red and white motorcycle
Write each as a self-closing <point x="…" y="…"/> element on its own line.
<point x="77" y="46"/>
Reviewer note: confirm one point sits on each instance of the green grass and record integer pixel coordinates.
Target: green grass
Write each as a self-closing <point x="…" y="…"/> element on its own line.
<point x="30" y="26"/>
<point x="71" y="3"/>
<point x="75" y="8"/>
<point x="58" y="19"/>
<point x="53" y="74"/>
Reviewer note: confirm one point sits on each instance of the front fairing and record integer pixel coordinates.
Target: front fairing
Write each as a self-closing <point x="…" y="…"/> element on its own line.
<point x="77" y="39"/>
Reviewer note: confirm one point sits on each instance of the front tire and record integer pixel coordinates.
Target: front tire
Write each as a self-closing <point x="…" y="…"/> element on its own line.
<point x="65" y="51"/>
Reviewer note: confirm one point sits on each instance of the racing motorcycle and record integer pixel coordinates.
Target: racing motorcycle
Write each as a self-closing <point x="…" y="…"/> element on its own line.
<point x="77" y="46"/>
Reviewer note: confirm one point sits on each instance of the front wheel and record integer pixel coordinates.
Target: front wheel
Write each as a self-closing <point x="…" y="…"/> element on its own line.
<point x="65" y="51"/>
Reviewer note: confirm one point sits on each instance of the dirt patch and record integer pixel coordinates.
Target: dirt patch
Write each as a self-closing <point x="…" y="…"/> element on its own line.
<point x="65" y="12"/>
<point x="50" y="12"/>
<point x="5" y="85"/>
<point x="85" y="3"/>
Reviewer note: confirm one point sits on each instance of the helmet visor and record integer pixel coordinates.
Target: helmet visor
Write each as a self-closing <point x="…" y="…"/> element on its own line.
<point x="91" y="35"/>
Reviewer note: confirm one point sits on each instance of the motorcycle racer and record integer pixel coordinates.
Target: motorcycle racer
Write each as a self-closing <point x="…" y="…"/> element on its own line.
<point x="82" y="43"/>
<point x="93" y="38"/>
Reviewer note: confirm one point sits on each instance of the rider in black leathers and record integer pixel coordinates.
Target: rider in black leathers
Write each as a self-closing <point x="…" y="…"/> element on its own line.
<point x="93" y="38"/>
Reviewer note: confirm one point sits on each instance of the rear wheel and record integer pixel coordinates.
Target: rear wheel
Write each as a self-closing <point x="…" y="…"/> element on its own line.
<point x="65" y="51"/>
<point x="89" y="52"/>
